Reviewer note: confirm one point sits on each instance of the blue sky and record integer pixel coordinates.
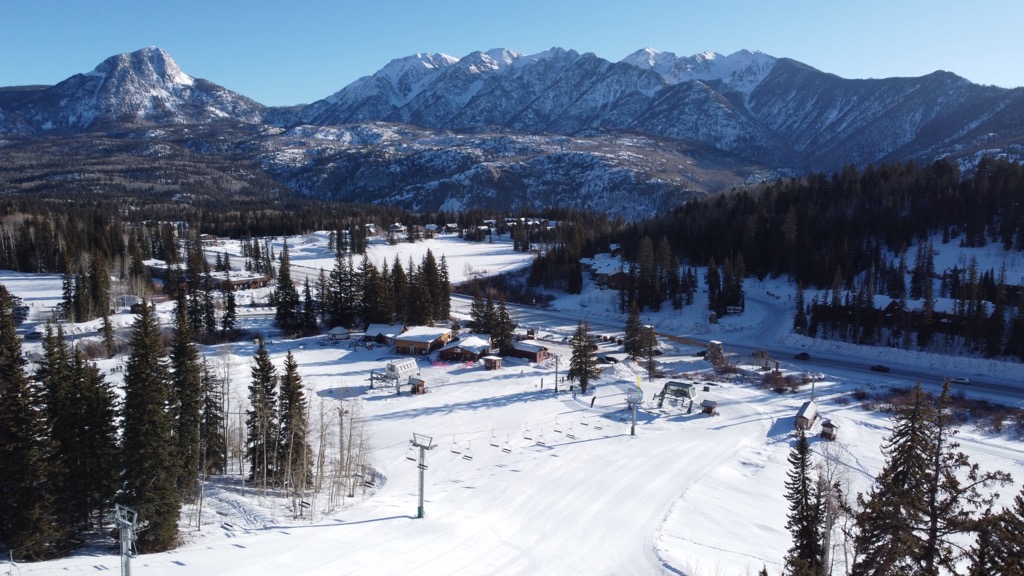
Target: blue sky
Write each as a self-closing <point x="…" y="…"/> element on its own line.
<point x="298" y="51"/>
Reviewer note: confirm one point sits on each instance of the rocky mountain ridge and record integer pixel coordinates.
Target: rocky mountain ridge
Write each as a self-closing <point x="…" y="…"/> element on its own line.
<point x="575" y="124"/>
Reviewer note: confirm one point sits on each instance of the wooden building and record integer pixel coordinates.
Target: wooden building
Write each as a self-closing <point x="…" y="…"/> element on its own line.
<point x="422" y="339"/>
<point x="530" y="350"/>
<point x="466" y="349"/>
<point x="806" y="416"/>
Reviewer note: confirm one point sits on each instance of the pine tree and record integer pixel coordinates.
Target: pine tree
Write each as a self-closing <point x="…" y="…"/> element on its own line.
<point x="212" y="444"/>
<point x="503" y="331"/>
<point x="295" y="455"/>
<point x="806" y="513"/>
<point x="261" y="420"/>
<point x="999" y="548"/>
<point x="186" y="405"/>
<point x="150" y="463"/>
<point x="885" y="542"/>
<point x="286" y="316"/>
<point x="227" y="321"/>
<point x="28" y="520"/>
<point x="631" y="341"/>
<point x="583" y="366"/>
<point x="92" y="463"/>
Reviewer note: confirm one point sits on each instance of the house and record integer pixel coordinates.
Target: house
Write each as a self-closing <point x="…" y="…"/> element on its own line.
<point x="397" y="229"/>
<point x="466" y="349"/>
<point x="529" y="349"/>
<point x="338" y="333"/>
<point x="383" y="333"/>
<point x="422" y="339"/>
<point x="806" y="416"/>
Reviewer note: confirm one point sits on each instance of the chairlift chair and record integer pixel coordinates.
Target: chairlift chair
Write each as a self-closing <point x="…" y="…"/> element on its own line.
<point x="571" y="433"/>
<point x="456" y="448"/>
<point x="494" y="440"/>
<point x="557" y="427"/>
<point x="506" y="447"/>
<point x="467" y="454"/>
<point x="540" y="438"/>
<point x="410" y="454"/>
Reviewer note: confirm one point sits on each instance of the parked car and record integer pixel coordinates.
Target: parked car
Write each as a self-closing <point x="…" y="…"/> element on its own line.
<point x="802" y="356"/>
<point x="880" y="368"/>
<point x="960" y="380"/>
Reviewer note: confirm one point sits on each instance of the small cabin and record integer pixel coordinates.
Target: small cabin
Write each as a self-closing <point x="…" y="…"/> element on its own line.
<point x="492" y="362"/>
<point x="829" y="429"/>
<point x="709" y="407"/>
<point x="806" y="416"/>
<point x="530" y="350"/>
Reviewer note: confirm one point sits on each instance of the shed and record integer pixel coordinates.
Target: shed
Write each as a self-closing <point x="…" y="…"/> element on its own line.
<point x="829" y="429"/>
<point x="806" y="416"/>
<point x="417" y="385"/>
<point x="709" y="407"/>
<point x="492" y="362"/>
<point x="339" y="333"/>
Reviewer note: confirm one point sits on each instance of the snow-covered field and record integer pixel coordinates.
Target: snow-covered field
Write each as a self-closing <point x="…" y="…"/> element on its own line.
<point x="556" y="484"/>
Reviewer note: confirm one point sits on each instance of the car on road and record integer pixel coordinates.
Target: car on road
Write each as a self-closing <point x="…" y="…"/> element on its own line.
<point x="879" y="368"/>
<point x="802" y="356"/>
<point x="960" y="380"/>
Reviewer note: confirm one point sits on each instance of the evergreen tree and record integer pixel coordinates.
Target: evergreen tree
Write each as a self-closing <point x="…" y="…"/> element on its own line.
<point x="150" y="463"/>
<point x="107" y="330"/>
<point x="28" y="520"/>
<point x="999" y="548"/>
<point x="227" y="321"/>
<point x="806" y="513"/>
<point x="885" y="542"/>
<point x="212" y="444"/>
<point x="186" y="405"/>
<point x="261" y="420"/>
<point x="91" y="463"/>
<point x="307" y="321"/>
<point x="295" y="455"/>
<point x="503" y="331"/>
<point x="631" y="341"/>
<point x="583" y="366"/>
<point x="376" y="303"/>
<point x="286" y="316"/>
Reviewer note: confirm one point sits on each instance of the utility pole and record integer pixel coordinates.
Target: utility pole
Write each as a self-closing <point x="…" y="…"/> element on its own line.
<point x="125" y="520"/>
<point x="556" y="374"/>
<point x="424" y="443"/>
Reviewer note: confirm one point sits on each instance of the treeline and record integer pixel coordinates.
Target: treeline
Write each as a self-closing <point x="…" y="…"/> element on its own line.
<point x="806" y="229"/>
<point x="354" y="295"/>
<point x="72" y="447"/>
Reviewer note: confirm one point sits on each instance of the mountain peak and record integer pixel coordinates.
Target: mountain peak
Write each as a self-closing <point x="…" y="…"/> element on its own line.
<point x="151" y="64"/>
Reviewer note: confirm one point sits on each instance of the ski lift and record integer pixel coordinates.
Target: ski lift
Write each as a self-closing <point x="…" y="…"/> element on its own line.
<point x="456" y="449"/>
<point x="410" y="454"/>
<point x="584" y="421"/>
<point x="494" y="439"/>
<point x="540" y="438"/>
<point x="527" y="434"/>
<point x="467" y="454"/>
<point x="506" y="447"/>
<point x="558" y="427"/>
<point x="571" y="433"/>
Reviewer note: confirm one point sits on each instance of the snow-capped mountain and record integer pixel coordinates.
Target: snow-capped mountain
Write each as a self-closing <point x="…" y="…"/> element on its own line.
<point x="543" y="125"/>
<point x="145" y="86"/>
